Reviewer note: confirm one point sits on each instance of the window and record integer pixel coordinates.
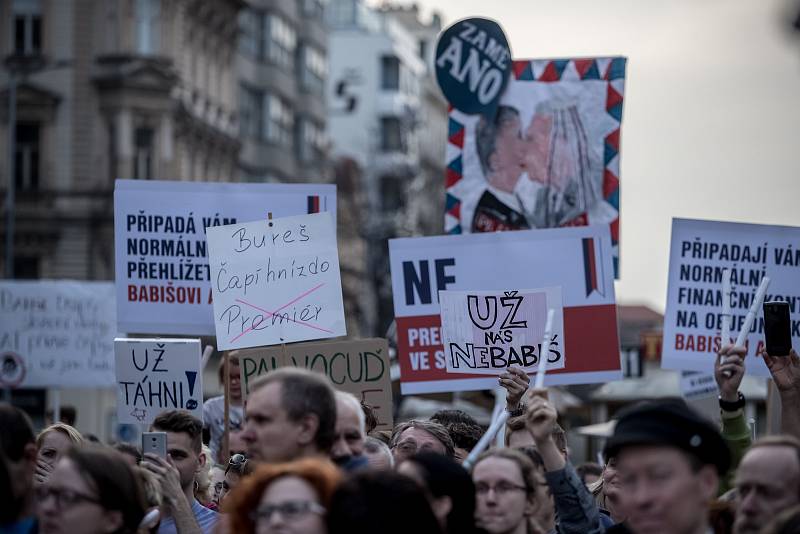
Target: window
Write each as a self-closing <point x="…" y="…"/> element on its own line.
<point x="143" y="155"/>
<point x="314" y="69"/>
<point x="26" y="163"/>
<point x="26" y="268"/>
<point x="393" y="193"/>
<point x="423" y="49"/>
<point x="310" y="141"/>
<point x="147" y="26"/>
<point x="251" y="112"/>
<point x="391" y="134"/>
<point x="251" y="32"/>
<point x="281" y="41"/>
<point x="314" y="9"/>
<point x="279" y="121"/>
<point x="27" y="16"/>
<point x="390" y="72"/>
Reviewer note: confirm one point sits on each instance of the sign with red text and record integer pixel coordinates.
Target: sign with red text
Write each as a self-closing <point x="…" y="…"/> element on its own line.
<point x="157" y="375"/>
<point x="579" y="260"/>
<point x="486" y="332"/>
<point x="276" y="281"/>
<point x="699" y="252"/>
<point x="56" y="333"/>
<point x="163" y="280"/>
<point x="359" y="366"/>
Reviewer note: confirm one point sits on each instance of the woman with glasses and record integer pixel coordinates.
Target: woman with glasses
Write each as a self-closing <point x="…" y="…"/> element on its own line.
<point x="505" y="493"/>
<point x="93" y="491"/>
<point x="237" y="468"/>
<point x="290" y="498"/>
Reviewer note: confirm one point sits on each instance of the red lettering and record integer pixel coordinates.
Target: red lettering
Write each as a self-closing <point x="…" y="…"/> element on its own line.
<point x="131" y="293"/>
<point x="678" y="341"/>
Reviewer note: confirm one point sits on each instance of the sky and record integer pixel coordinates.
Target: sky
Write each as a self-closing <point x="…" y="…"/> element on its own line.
<point x="711" y="120"/>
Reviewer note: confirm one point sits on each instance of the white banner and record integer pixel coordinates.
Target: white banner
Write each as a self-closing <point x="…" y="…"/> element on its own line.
<point x="485" y="332"/>
<point x="57" y="334"/>
<point x="157" y="375"/>
<point x="699" y="252"/>
<point x="162" y="273"/>
<point x="276" y="282"/>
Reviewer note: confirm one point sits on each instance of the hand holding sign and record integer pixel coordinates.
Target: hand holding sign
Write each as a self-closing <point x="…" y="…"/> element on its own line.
<point x="473" y="62"/>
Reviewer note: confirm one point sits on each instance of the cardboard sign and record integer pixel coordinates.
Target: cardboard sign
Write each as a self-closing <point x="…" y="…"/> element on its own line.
<point x="549" y="157"/>
<point x="473" y="62"/>
<point x="699" y="252"/>
<point x="276" y="281"/>
<point x="486" y="332"/>
<point x="360" y="367"/>
<point x="157" y="375"/>
<point x="57" y="334"/>
<point x="697" y="385"/>
<point x="576" y="259"/>
<point x="162" y="274"/>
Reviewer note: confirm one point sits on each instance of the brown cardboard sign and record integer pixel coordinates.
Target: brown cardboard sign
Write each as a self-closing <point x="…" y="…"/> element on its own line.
<point x="360" y="367"/>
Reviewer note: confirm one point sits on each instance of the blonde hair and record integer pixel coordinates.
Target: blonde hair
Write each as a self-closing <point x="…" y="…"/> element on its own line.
<point x="202" y="479"/>
<point x="70" y="431"/>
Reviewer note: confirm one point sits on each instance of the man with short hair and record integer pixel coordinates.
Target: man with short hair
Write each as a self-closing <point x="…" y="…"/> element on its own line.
<point x="348" y="446"/>
<point x="184" y="514"/>
<point x="291" y="414"/>
<point x="415" y="436"/>
<point x="767" y="482"/>
<point x="18" y="446"/>
<point x="379" y="456"/>
<point x="669" y="462"/>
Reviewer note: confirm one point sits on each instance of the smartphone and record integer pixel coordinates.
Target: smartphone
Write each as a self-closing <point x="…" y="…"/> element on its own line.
<point x="777" y="328"/>
<point x="155" y="443"/>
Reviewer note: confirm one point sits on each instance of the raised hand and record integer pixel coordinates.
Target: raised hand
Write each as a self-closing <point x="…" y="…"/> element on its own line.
<point x="515" y="381"/>
<point x="729" y="371"/>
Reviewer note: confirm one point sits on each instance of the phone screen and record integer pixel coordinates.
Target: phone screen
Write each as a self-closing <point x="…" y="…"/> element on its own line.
<point x="777" y="328"/>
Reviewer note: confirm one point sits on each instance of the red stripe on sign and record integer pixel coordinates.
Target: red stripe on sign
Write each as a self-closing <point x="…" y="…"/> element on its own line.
<point x="591" y="332"/>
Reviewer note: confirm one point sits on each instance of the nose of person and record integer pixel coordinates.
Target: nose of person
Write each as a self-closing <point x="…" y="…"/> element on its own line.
<point x="748" y="503"/>
<point x="340" y="448"/>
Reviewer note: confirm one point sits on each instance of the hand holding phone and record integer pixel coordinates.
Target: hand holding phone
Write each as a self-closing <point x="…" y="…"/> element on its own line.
<point x="155" y="443"/>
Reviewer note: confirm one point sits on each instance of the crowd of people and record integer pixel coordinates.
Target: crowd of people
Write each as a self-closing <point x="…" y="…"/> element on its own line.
<point x="303" y="458"/>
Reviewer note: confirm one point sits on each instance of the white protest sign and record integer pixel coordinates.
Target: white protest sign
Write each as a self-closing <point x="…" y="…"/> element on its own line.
<point x="57" y="334"/>
<point x="157" y="375"/>
<point x="162" y="273"/>
<point x="699" y="253"/>
<point x="579" y="260"/>
<point x="276" y="281"/>
<point x="485" y="332"/>
<point x="697" y="385"/>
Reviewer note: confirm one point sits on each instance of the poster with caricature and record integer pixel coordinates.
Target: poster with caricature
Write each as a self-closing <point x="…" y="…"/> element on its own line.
<point x="550" y="155"/>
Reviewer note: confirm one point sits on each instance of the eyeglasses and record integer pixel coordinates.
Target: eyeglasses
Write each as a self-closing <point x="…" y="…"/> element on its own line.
<point x="289" y="510"/>
<point x="237" y="461"/>
<point x="63" y="496"/>
<point x="410" y="448"/>
<point x="501" y="488"/>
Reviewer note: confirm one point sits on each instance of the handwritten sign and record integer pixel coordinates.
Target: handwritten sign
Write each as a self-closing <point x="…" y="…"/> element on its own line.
<point x="473" y="61"/>
<point x="576" y="259"/>
<point x="161" y="257"/>
<point x="360" y="367"/>
<point x="276" y="281"/>
<point x="697" y="385"/>
<point x="157" y="375"/>
<point x="57" y="334"/>
<point x="699" y="253"/>
<point x="485" y="332"/>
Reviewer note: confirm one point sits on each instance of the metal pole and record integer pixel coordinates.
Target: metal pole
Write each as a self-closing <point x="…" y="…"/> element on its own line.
<point x="10" y="192"/>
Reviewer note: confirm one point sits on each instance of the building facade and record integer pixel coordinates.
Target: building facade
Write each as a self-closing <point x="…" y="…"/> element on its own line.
<point x="282" y="68"/>
<point x="387" y="116"/>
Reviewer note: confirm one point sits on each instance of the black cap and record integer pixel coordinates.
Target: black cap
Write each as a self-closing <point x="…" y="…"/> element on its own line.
<point x="670" y="423"/>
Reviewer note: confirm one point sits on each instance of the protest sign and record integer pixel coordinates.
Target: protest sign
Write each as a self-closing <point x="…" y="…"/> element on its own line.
<point x="360" y="367"/>
<point x="276" y="281"/>
<point x="57" y="334"/>
<point x="697" y="385"/>
<point x="699" y="253"/>
<point x="550" y="157"/>
<point x="162" y="273"/>
<point x="157" y="375"/>
<point x="473" y="62"/>
<point x="576" y="259"/>
<point x="485" y="332"/>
